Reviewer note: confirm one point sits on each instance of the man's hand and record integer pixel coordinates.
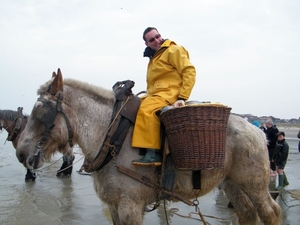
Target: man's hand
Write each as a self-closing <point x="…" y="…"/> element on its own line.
<point x="179" y="103"/>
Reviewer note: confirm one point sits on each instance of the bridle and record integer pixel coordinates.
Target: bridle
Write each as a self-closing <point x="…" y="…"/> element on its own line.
<point x="47" y="114"/>
<point x="16" y="125"/>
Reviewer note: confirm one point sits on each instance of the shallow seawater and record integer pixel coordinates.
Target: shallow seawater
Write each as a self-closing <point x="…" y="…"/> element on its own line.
<point x="72" y="201"/>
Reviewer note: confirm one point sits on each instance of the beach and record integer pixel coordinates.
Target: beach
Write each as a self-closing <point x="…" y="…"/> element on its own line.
<point x="72" y="201"/>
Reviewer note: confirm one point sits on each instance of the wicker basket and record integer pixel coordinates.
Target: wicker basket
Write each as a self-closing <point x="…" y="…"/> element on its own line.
<point x="197" y="135"/>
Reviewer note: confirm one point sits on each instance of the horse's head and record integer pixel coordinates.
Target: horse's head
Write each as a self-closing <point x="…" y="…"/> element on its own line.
<point x="8" y="119"/>
<point x="48" y="128"/>
<point x="14" y="123"/>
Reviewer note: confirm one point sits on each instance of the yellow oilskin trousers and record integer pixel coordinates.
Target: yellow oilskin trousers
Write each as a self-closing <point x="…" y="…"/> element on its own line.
<point x="146" y="132"/>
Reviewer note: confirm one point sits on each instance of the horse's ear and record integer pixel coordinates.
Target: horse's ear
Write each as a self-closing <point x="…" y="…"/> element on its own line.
<point x="57" y="83"/>
<point x="53" y="74"/>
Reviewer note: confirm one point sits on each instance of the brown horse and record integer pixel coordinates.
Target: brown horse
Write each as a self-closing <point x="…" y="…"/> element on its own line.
<point x="14" y="123"/>
<point x="89" y="109"/>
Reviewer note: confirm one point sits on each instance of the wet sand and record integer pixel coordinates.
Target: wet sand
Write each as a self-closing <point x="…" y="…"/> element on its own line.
<point x="72" y="201"/>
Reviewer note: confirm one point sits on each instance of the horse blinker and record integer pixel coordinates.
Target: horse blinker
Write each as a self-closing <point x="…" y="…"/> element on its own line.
<point x="46" y="114"/>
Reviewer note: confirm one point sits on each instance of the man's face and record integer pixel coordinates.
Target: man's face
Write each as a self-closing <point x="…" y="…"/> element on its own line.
<point x="268" y="125"/>
<point x="280" y="137"/>
<point x="153" y="40"/>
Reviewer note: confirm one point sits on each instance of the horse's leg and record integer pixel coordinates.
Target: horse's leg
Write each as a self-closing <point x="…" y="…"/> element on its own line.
<point x="60" y="171"/>
<point x="268" y="210"/>
<point x="114" y="215"/>
<point x="67" y="167"/>
<point x="128" y="212"/>
<point x="243" y="206"/>
<point x="30" y="176"/>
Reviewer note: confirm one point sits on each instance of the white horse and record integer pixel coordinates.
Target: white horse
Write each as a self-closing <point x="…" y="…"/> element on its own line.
<point x="89" y="109"/>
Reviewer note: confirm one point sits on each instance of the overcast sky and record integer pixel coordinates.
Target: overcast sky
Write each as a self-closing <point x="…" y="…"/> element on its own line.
<point x="246" y="53"/>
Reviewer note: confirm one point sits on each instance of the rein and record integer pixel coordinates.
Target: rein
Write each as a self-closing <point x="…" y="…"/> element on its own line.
<point x="9" y="137"/>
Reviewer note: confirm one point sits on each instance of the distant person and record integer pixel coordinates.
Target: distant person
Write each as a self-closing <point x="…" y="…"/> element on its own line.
<point x="280" y="158"/>
<point x="255" y="123"/>
<point x="271" y="134"/>
<point x="298" y="135"/>
<point x="263" y="127"/>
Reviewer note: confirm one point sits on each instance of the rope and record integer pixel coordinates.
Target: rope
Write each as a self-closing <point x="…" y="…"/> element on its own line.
<point x="70" y="165"/>
<point x="11" y="123"/>
<point x="37" y="170"/>
<point x="201" y="216"/>
<point x="41" y="170"/>
<point x="190" y="216"/>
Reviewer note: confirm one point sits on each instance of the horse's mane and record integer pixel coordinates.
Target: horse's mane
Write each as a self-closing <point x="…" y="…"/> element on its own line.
<point x="94" y="90"/>
<point x="8" y="114"/>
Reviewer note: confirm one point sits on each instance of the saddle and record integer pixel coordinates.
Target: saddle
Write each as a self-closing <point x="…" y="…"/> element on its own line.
<point x="124" y="114"/>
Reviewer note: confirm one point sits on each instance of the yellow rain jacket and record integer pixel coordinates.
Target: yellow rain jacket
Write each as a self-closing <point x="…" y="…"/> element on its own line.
<point x="170" y="76"/>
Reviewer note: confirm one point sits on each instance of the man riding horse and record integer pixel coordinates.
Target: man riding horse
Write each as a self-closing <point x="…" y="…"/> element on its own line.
<point x="170" y="80"/>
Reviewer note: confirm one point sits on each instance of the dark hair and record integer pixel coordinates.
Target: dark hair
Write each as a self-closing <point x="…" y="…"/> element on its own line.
<point x="147" y="30"/>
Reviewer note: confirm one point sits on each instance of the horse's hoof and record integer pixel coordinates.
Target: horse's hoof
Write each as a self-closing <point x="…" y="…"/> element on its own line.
<point x="63" y="175"/>
<point x="30" y="179"/>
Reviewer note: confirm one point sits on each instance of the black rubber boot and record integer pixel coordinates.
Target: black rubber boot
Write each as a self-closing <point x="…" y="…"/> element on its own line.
<point x="152" y="158"/>
<point x="280" y="183"/>
<point x="142" y="151"/>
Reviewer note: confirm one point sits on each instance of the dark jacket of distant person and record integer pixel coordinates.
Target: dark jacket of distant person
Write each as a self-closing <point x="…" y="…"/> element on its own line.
<point x="271" y="133"/>
<point x="298" y="136"/>
<point x="281" y="153"/>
